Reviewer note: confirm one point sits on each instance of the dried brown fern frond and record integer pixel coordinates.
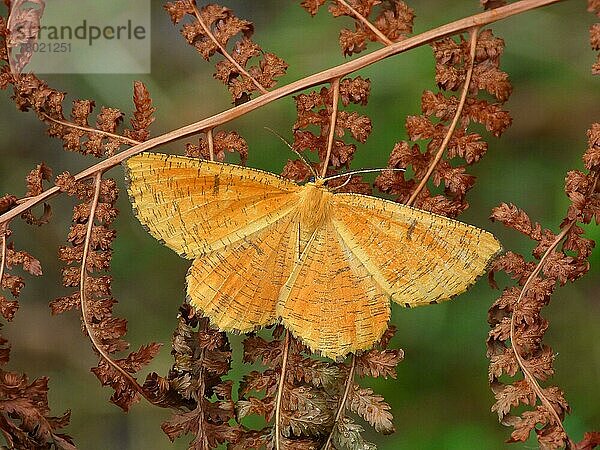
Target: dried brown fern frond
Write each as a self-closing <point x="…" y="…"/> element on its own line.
<point x="589" y="441"/>
<point x="305" y="401"/>
<point x="469" y="67"/>
<point x="211" y="29"/>
<point x="515" y="343"/>
<point x="297" y="394"/>
<point x="321" y="109"/>
<point x="103" y="138"/>
<point x="195" y="386"/>
<point x="363" y="402"/>
<point x="374" y="20"/>
<point x="9" y="257"/>
<point x="88" y="262"/>
<point x="77" y="134"/>
<point x="25" y="422"/>
<point x="594" y="7"/>
<point x="25" y="16"/>
<point x="215" y="146"/>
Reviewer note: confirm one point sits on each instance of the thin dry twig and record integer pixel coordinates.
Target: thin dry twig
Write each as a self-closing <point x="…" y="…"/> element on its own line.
<point x="342" y="405"/>
<point x="3" y="231"/>
<point x="452" y="127"/>
<point x="380" y="36"/>
<point x="82" y="295"/>
<point x="531" y="380"/>
<point x="335" y="87"/>
<point x="286" y="350"/>
<point x="211" y="144"/>
<point x="223" y="50"/>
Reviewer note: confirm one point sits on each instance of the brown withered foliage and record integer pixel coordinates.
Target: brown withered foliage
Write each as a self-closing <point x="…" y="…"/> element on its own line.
<point x="589" y="441"/>
<point x="143" y="116"/>
<point x="223" y="142"/>
<point x="35" y="187"/>
<point x="202" y="357"/>
<point x="211" y="29"/>
<point x="25" y="422"/>
<point x="25" y="17"/>
<point x="76" y="132"/>
<point x="374" y="20"/>
<point x="491" y="4"/>
<point x="305" y="393"/>
<point x="93" y="237"/>
<point x="313" y="394"/>
<point x="306" y="402"/>
<point x="14" y="283"/>
<point x="9" y="257"/>
<point x="315" y="110"/>
<point x="449" y="176"/>
<point x="515" y="343"/>
<point x="594" y="7"/>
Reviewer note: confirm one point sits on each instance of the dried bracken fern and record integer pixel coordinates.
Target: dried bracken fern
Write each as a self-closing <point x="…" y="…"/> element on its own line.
<point x="202" y="357"/>
<point x="309" y="397"/>
<point x="216" y="146"/>
<point x="316" y="109"/>
<point x="9" y="257"/>
<point x="25" y="420"/>
<point x="594" y="7"/>
<point x="515" y="344"/>
<point x="470" y="68"/>
<point x="90" y="253"/>
<point x="374" y="20"/>
<point x="210" y="29"/>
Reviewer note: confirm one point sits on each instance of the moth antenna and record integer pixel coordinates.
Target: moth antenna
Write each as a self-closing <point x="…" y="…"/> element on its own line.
<point x="312" y="170"/>
<point x="354" y="172"/>
<point x="343" y="184"/>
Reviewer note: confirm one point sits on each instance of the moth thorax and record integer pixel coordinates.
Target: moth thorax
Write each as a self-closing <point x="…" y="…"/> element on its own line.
<point x="314" y="206"/>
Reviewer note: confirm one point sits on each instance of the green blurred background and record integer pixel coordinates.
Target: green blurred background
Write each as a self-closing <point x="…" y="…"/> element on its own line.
<point x="440" y="399"/>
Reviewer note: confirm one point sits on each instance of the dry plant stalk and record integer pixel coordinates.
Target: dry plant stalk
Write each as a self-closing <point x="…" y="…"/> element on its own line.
<point x="515" y="343"/>
<point x="306" y="402"/>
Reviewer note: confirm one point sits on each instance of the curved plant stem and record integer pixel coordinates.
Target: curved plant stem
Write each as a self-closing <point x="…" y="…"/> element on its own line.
<point x="342" y="406"/>
<point x="124" y="139"/>
<point x="286" y="350"/>
<point x="335" y="87"/>
<point x="459" y="109"/>
<point x="85" y="315"/>
<point x="526" y="373"/>
<point x="380" y="36"/>
<point x="340" y="71"/>
<point x="223" y="50"/>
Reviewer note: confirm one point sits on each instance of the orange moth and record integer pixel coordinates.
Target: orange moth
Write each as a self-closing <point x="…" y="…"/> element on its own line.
<point x="325" y="264"/>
